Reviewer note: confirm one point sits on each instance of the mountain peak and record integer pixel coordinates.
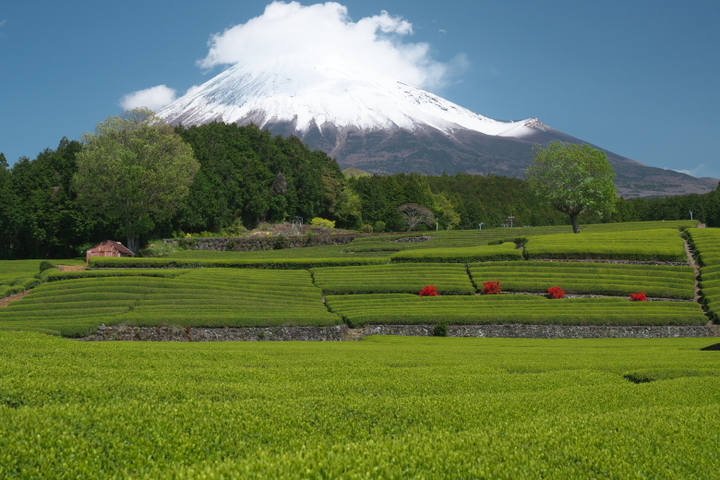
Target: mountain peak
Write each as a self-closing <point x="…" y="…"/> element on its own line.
<point x="335" y="93"/>
<point x="375" y="123"/>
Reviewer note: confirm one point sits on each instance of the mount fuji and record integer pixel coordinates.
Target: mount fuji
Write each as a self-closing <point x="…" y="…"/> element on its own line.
<point x="377" y="124"/>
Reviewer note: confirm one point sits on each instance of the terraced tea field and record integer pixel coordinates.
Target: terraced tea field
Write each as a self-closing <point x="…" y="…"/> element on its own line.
<point x="706" y="242"/>
<point x="386" y="407"/>
<point x="407" y="309"/>
<point x="370" y="282"/>
<point x="202" y="297"/>
<point x="664" y="281"/>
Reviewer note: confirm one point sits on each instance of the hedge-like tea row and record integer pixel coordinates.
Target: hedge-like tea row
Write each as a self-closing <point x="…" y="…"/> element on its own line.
<point x="19" y="275"/>
<point x="706" y="243"/>
<point x="589" y="278"/>
<point x="203" y="298"/>
<point x="394" y="278"/>
<point x="482" y="253"/>
<point x="386" y="407"/>
<point x="360" y="310"/>
<point x="645" y="245"/>
<point x="280" y="264"/>
<point x="52" y="275"/>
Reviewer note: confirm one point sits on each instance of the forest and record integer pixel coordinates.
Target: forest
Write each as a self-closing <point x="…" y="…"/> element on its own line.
<point x="247" y="177"/>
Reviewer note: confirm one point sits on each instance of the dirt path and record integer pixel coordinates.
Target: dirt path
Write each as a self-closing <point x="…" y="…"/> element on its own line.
<point x="4" y="302"/>
<point x="693" y="263"/>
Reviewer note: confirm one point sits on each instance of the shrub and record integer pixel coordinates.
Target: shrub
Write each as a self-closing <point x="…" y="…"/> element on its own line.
<point x="429" y="291"/>
<point x="440" y="330"/>
<point x="638" y="297"/>
<point x="491" y="287"/>
<point x="45" y="265"/>
<point x="556" y="292"/>
<point x="322" y="222"/>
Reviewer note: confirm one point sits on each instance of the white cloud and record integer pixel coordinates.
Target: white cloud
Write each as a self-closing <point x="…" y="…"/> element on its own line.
<point x="153" y="98"/>
<point x="324" y="33"/>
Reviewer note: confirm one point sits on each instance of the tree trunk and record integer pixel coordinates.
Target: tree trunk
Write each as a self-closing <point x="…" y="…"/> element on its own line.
<point x="575" y="222"/>
<point x="133" y="243"/>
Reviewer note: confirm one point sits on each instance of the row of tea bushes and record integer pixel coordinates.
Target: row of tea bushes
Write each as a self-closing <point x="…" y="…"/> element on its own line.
<point x="706" y="242"/>
<point x="222" y="261"/>
<point x="507" y="251"/>
<point x="359" y="310"/>
<point x="386" y="407"/>
<point x="664" y="281"/>
<point x="448" y="278"/>
<point x="203" y="298"/>
<point x="664" y="245"/>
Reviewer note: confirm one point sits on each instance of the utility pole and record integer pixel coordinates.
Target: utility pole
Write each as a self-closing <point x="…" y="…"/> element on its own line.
<point x="691" y="214"/>
<point x="511" y="218"/>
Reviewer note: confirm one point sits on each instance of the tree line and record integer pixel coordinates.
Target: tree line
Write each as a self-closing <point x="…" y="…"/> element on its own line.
<point x="246" y="176"/>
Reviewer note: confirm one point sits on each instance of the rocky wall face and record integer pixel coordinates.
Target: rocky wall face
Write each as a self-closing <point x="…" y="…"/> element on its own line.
<point x="176" y="333"/>
<point x="252" y="244"/>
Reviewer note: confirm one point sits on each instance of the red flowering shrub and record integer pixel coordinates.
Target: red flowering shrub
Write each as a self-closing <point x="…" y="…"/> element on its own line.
<point x="638" y="297"/>
<point x="429" y="291"/>
<point x="491" y="288"/>
<point x="556" y="292"/>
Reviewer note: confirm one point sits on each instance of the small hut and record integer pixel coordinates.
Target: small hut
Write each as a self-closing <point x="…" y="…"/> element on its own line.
<point x="108" y="248"/>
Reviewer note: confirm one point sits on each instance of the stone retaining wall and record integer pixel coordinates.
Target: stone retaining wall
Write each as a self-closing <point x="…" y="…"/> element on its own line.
<point x="342" y="332"/>
<point x="252" y="244"/>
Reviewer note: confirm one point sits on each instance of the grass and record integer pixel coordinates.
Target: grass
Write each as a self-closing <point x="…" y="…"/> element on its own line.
<point x="386" y="407"/>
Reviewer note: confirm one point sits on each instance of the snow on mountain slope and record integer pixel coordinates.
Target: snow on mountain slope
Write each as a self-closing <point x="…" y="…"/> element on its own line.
<point x="336" y="93"/>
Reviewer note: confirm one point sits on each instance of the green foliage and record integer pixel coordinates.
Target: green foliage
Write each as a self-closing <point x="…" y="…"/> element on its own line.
<point x="706" y="243"/>
<point x="44" y="265"/>
<point x="248" y="175"/>
<point x="276" y="263"/>
<point x="574" y="178"/>
<point x="204" y="297"/>
<point x="590" y="278"/>
<point x="483" y="253"/>
<point x="406" y="309"/>
<point x="134" y="170"/>
<point x="394" y="278"/>
<point x="645" y="245"/>
<point x="322" y="222"/>
<point x="368" y="409"/>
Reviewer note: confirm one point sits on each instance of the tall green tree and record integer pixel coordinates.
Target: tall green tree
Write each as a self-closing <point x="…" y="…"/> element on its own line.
<point x="575" y="179"/>
<point x="134" y="170"/>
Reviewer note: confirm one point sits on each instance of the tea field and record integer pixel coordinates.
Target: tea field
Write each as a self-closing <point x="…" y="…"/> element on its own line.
<point x="375" y="280"/>
<point x="386" y="407"/>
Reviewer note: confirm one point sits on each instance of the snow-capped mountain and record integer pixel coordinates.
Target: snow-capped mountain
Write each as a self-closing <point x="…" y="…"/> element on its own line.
<point x="375" y="123"/>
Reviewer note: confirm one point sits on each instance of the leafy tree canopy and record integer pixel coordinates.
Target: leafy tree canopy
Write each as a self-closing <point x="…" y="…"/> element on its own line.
<point x="576" y="179"/>
<point x="134" y="170"/>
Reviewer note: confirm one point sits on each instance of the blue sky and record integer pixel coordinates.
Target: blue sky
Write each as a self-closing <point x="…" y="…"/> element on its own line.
<point x="637" y="77"/>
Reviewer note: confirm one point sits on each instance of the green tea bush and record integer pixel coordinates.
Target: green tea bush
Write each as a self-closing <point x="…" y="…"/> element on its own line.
<point x="279" y="264"/>
<point x="484" y="253"/>
<point x="645" y="245"/>
<point x="490" y="408"/>
<point x="202" y="298"/>
<point x="360" y="310"/>
<point x="394" y="278"/>
<point x="706" y="243"/>
<point x="590" y="278"/>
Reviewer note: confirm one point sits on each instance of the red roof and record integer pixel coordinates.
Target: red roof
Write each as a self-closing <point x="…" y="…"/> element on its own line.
<point x="110" y="245"/>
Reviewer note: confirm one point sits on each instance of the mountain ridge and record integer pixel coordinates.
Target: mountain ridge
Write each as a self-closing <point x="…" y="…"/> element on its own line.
<point x="369" y="121"/>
